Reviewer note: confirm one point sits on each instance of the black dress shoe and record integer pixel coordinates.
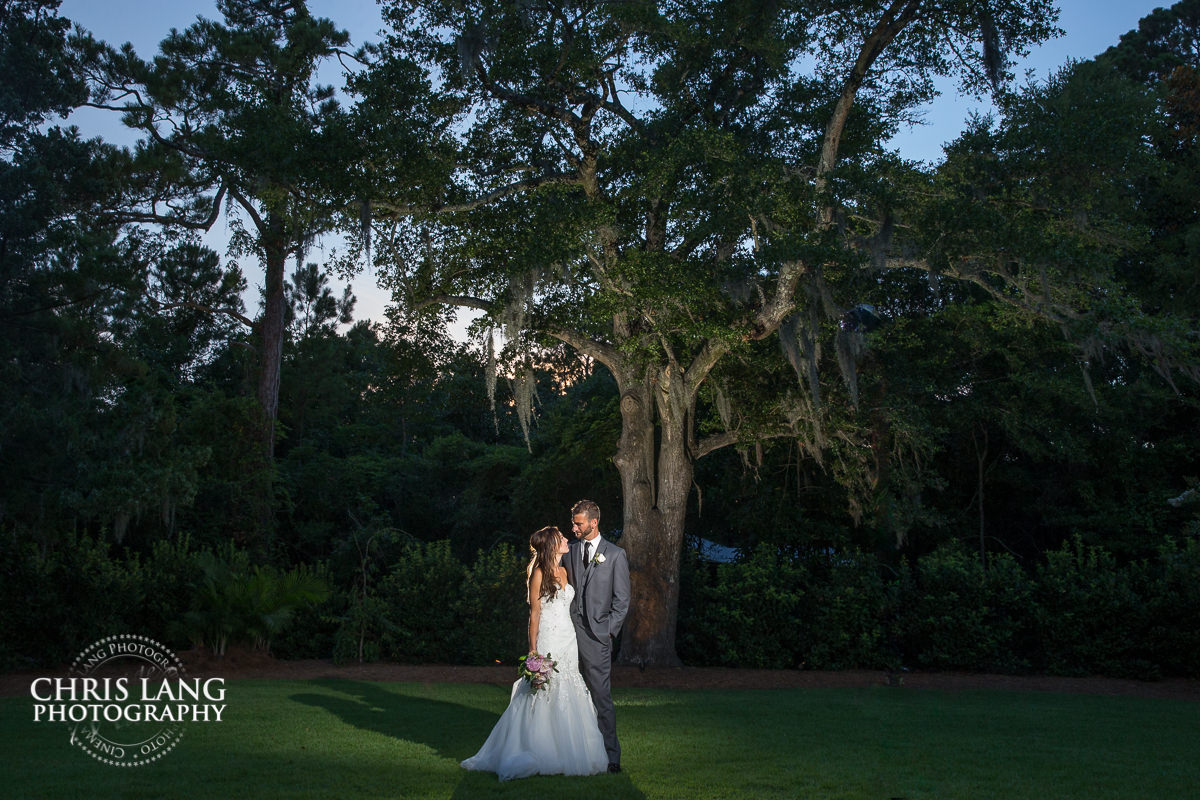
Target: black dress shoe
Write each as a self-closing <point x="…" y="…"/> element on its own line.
<point x="614" y="767"/>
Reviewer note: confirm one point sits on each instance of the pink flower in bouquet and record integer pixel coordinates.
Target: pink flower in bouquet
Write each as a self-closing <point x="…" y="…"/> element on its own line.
<point x="536" y="669"/>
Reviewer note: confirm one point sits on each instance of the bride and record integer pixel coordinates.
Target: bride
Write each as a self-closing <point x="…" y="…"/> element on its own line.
<point x="552" y="731"/>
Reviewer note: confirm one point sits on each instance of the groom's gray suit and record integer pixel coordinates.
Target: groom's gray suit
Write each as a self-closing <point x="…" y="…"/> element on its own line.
<point x="598" y="611"/>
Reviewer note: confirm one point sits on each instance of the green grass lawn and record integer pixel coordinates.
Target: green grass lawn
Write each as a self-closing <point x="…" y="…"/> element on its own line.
<point x="347" y="739"/>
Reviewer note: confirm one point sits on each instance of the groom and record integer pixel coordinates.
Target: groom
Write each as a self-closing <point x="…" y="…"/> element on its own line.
<point x="599" y="572"/>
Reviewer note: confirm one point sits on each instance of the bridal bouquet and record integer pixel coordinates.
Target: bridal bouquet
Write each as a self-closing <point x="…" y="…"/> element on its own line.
<point x="536" y="669"/>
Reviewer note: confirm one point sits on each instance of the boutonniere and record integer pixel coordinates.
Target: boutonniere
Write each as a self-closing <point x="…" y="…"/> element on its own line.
<point x="597" y="559"/>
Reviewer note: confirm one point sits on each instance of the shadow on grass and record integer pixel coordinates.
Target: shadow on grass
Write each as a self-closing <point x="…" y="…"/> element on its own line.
<point x="452" y="731"/>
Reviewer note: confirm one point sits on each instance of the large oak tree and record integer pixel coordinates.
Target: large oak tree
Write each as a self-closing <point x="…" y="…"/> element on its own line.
<point x="666" y="186"/>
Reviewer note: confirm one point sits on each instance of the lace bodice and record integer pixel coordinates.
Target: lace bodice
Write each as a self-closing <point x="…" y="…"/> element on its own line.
<point x="556" y="632"/>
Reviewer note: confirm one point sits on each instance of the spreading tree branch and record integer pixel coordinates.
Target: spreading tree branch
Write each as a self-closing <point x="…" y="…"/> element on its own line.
<point x="603" y="352"/>
<point x="128" y="217"/>
<point x="249" y="323"/>
<point x="462" y="301"/>
<point x="894" y="19"/>
<point x="703" y="364"/>
<point x="395" y="211"/>
<point x="719" y="440"/>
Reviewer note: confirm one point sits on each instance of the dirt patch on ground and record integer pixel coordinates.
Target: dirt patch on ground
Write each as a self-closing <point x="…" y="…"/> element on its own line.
<point x="240" y="664"/>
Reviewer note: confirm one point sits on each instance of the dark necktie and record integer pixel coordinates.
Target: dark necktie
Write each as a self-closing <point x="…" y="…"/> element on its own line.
<point x="587" y="555"/>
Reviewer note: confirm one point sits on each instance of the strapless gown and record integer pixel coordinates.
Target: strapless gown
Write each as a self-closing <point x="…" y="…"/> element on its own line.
<point x="553" y="731"/>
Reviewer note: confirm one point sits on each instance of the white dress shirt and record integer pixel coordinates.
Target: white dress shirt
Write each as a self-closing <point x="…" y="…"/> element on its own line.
<point x="590" y="548"/>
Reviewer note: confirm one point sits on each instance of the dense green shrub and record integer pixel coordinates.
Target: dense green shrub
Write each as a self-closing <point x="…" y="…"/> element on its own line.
<point x="313" y="631"/>
<point x="435" y="609"/>
<point x="1172" y="591"/>
<point x="1090" y="618"/>
<point x="235" y="601"/>
<point x="752" y="614"/>
<point x="957" y="614"/>
<point x="420" y="598"/>
<point x="357" y="613"/>
<point x="492" y="609"/>
<point x="1080" y="613"/>
<point x="169" y="577"/>
<point x="415" y="602"/>
<point x="56" y="601"/>
<point x="692" y="642"/>
<point x="848" y="611"/>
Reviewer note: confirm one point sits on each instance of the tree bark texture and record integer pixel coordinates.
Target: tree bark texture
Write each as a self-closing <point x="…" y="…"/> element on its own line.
<point x="655" y="482"/>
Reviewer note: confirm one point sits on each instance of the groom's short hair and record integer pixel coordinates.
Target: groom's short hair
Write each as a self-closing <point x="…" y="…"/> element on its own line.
<point x="586" y="507"/>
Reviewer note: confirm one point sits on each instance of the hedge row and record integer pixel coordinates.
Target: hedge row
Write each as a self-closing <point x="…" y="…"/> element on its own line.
<point x="428" y="607"/>
<point x="1078" y="613"/>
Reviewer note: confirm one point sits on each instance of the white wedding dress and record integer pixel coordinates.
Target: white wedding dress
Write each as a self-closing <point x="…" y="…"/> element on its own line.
<point x="553" y="731"/>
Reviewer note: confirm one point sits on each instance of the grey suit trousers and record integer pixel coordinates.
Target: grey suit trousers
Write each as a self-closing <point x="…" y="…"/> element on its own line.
<point x="595" y="662"/>
<point x="601" y="603"/>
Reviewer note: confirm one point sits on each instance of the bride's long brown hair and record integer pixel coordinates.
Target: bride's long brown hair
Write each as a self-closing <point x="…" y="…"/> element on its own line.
<point x="543" y="544"/>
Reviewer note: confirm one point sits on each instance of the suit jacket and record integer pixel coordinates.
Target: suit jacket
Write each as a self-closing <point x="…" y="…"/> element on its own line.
<point x="601" y="590"/>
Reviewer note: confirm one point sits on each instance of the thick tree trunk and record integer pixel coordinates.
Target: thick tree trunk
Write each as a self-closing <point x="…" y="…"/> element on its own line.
<point x="271" y="346"/>
<point x="270" y="359"/>
<point x="655" y="488"/>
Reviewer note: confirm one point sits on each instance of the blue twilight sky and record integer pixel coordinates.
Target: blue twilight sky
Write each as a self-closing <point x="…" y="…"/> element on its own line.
<point x="1091" y="26"/>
